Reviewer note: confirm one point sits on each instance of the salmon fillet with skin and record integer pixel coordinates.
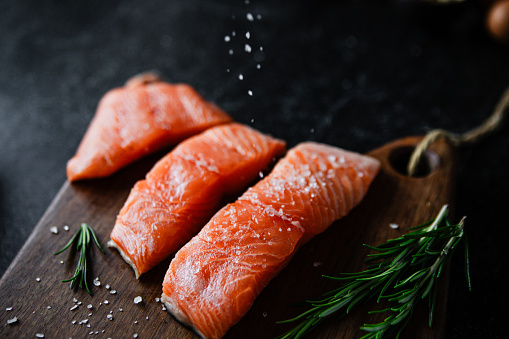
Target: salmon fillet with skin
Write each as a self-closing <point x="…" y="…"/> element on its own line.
<point x="214" y="279"/>
<point x="144" y="116"/>
<point x="185" y="188"/>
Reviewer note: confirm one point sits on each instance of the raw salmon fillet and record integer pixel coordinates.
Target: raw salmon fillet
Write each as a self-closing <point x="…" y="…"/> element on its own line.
<point x="140" y="118"/>
<point x="214" y="279"/>
<point x="185" y="188"/>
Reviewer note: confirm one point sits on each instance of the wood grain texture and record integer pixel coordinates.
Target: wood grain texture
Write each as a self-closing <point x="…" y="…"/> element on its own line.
<point x="44" y="306"/>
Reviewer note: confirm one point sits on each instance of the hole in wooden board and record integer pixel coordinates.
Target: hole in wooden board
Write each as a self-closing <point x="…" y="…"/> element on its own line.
<point x="400" y="157"/>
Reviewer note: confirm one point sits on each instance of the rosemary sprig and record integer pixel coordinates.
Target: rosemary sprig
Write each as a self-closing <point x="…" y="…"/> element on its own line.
<point x="409" y="266"/>
<point x="84" y="234"/>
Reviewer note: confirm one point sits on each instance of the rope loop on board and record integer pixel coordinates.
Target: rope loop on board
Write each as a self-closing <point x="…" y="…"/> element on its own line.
<point x="489" y="126"/>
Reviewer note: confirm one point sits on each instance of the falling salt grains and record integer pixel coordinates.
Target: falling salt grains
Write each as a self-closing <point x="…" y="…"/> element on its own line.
<point x="259" y="16"/>
<point x="248" y="35"/>
<point x="137" y="300"/>
<point x="260" y="174"/>
<point x="393" y="226"/>
<point x="241" y="77"/>
<point x="247" y="48"/>
<point x="54" y="230"/>
<point x="227" y="38"/>
<point x="250" y="93"/>
<point x="12" y="321"/>
<point x="230" y="51"/>
<point x="249" y="17"/>
<point x="258" y="66"/>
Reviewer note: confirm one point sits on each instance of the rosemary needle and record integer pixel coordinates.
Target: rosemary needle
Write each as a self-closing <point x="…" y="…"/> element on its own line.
<point x="408" y="267"/>
<point x="83" y="235"/>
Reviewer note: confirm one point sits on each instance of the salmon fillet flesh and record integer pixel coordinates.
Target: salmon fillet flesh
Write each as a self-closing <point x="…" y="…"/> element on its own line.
<point x="185" y="188"/>
<point x="144" y="116"/>
<point x="214" y="279"/>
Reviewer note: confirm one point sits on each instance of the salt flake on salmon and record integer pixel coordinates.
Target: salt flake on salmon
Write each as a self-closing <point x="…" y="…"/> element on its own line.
<point x="214" y="279"/>
<point x="185" y="188"/>
<point x="144" y="116"/>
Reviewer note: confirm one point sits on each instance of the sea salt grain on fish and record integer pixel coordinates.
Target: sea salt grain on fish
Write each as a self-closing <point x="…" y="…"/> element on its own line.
<point x="241" y="244"/>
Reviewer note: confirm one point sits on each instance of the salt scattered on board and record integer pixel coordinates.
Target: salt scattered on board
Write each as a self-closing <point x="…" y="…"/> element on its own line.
<point x="393" y="226"/>
<point x="53" y="230"/>
<point x="12" y="321"/>
<point x="137" y="300"/>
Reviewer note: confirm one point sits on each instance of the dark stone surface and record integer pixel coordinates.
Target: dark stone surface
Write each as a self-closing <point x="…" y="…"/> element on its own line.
<point x="356" y="74"/>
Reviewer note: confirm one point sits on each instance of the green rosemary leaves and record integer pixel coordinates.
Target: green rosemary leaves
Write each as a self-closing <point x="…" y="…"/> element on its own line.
<point x="402" y="270"/>
<point x="84" y="235"/>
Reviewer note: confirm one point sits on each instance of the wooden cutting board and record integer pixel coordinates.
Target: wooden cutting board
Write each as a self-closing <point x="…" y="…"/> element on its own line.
<point x="43" y="305"/>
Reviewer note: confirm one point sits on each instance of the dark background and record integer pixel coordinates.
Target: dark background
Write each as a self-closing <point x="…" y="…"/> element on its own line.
<point x="355" y="74"/>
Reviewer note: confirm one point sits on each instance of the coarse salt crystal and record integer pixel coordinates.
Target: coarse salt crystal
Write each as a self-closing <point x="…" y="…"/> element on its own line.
<point x="106" y="302"/>
<point x="135" y="335"/>
<point x="79" y="302"/>
<point x="66" y="228"/>
<point x="48" y="307"/>
<point x="249" y="17"/>
<point x="73" y="308"/>
<point x="241" y="77"/>
<point x="137" y="300"/>
<point x="316" y="264"/>
<point x="113" y="292"/>
<point x="54" y="230"/>
<point x="230" y="51"/>
<point x="258" y="66"/>
<point x="8" y="309"/>
<point x="39" y="335"/>
<point x="146" y="318"/>
<point x="75" y="300"/>
<point x="84" y="321"/>
<point x="89" y="306"/>
<point x="164" y="308"/>
<point x="247" y="48"/>
<point x="248" y="35"/>
<point x="107" y="286"/>
<point x="393" y="226"/>
<point x="227" y="38"/>
<point x="157" y="300"/>
<point x="250" y="93"/>
<point x="136" y="321"/>
<point x="12" y="321"/>
<point x="90" y="314"/>
<point x="73" y="322"/>
<point x="264" y="314"/>
<point x="96" y="282"/>
<point x="120" y="310"/>
<point x="37" y="279"/>
<point x="109" y="316"/>
<point x="61" y="262"/>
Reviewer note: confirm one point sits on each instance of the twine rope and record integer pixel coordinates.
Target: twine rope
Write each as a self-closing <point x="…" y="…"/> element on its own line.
<point x="489" y="126"/>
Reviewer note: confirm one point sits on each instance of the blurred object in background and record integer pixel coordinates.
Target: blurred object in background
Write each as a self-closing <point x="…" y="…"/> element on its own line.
<point x="497" y="20"/>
